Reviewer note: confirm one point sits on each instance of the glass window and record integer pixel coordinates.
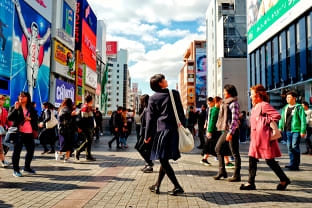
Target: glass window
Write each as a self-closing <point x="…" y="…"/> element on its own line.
<point x="263" y="66"/>
<point x="301" y="49"/>
<point x="268" y="55"/>
<point x="253" y="73"/>
<point x="257" y="67"/>
<point x="309" y="46"/>
<point x="282" y="51"/>
<point x="292" y="53"/>
<point x="275" y="59"/>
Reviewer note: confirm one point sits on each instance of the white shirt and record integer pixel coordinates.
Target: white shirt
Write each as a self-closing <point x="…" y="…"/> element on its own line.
<point x="309" y="117"/>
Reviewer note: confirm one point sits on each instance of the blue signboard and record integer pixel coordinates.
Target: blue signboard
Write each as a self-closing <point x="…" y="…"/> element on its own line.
<point x="68" y="19"/>
<point x="63" y="90"/>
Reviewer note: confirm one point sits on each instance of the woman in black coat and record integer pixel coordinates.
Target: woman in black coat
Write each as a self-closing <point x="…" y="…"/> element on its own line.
<point x="162" y="126"/>
<point x="23" y="116"/>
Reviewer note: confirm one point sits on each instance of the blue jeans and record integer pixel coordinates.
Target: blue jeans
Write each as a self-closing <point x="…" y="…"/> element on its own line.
<point x="293" y="142"/>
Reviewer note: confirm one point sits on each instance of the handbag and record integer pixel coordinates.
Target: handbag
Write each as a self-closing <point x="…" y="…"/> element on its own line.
<point x="273" y="128"/>
<point x="186" y="140"/>
<point x="52" y="122"/>
<point x="13" y="135"/>
<point x="2" y="131"/>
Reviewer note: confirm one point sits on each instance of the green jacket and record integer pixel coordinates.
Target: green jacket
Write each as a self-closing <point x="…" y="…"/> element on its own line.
<point x="298" y="122"/>
<point x="213" y="118"/>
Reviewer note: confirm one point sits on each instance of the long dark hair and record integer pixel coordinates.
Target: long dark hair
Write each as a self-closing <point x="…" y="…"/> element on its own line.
<point x="67" y="102"/>
<point x="143" y="102"/>
<point x="24" y="93"/>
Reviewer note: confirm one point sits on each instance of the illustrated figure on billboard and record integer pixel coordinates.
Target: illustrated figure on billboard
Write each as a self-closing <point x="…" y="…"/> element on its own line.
<point x="1" y="34"/>
<point x="202" y="64"/>
<point x="34" y="42"/>
<point x="71" y="64"/>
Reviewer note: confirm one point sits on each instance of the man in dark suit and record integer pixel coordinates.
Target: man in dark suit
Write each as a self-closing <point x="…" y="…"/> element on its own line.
<point x="117" y="127"/>
<point x="201" y="126"/>
<point x="192" y="120"/>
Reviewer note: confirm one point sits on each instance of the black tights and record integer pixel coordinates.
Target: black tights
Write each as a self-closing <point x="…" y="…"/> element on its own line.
<point x="166" y="168"/>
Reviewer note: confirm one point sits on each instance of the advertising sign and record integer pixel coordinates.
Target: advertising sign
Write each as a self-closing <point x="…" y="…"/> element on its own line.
<point x="64" y="37"/>
<point x="111" y="48"/>
<point x="68" y="19"/>
<point x="63" y="90"/>
<point x="6" y="33"/>
<point x="201" y="77"/>
<point x="43" y="7"/>
<point x="64" y="61"/>
<point x="88" y="47"/>
<point x="135" y="87"/>
<point x="190" y="78"/>
<point x="98" y="89"/>
<point x="31" y="54"/>
<point x="91" y="78"/>
<point x="273" y="14"/>
<point x="79" y="77"/>
<point x="84" y="12"/>
<point x="190" y="94"/>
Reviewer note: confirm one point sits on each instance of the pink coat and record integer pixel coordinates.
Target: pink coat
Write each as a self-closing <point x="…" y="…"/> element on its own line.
<point x="260" y="144"/>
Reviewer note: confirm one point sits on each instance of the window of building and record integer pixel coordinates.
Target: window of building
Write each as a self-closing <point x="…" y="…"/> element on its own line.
<point x="117" y="88"/>
<point x="117" y="65"/>
<point x="309" y="45"/>
<point x="117" y="100"/>
<point x="268" y="60"/>
<point x="292" y="53"/>
<point x="117" y="76"/>
<point x="263" y="66"/>
<point x="253" y="72"/>
<point x="117" y="94"/>
<point x="275" y="62"/>
<point x="257" y="63"/>
<point x="283" y="57"/>
<point x="301" y="49"/>
<point x="117" y="82"/>
<point x="118" y="71"/>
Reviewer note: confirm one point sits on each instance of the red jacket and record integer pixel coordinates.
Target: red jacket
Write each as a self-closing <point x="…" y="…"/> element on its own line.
<point x="260" y="144"/>
<point x="4" y="119"/>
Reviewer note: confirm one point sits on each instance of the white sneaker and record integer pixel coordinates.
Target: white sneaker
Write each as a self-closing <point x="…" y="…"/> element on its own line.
<point x="5" y="163"/>
<point x="68" y="160"/>
<point x="57" y="156"/>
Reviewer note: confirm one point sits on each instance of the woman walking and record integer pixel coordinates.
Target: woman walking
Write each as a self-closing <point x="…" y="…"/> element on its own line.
<point x="260" y="144"/>
<point x="23" y="116"/>
<point x="161" y="125"/>
<point x="4" y="124"/>
<point x="67" y="129"/>
<point x="47" y="135"/>
<point x="228" y="123"/>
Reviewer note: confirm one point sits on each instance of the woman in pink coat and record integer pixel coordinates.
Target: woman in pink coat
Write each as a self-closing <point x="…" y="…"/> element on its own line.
<point x="260" y="144"/>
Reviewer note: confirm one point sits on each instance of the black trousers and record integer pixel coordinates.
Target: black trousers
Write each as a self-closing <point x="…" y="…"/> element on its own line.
<point x="271" y="163"/>
<point x="201" y="135"/>
<point x="86" y="145"/>
<point x="166" y="168"/>
<point x="234" y="147"/>
<point x="307" y="139"/>
<point x="28" y="141"/>
<point x="116" y="137"/>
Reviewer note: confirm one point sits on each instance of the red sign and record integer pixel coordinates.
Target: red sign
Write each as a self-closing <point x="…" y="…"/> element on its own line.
<point x="98" y="89"/>
<point x="79" y="76"/>
<point x="111" y="48"/>
<point x="88" y="46"/>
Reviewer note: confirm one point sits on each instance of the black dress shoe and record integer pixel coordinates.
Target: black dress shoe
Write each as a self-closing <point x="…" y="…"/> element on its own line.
<point x="176" y="191"/>
<point x="234" y="179"/>
<point x="283" y="187"/>
<point x="155" y="189"/>
<point x="248" y="187"/>
<point x="109" y="145"/>
<point x="219" y="176"/>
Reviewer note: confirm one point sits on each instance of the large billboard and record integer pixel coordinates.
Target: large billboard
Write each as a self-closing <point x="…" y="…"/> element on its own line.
<point x="6" y="33"/>
<point x="88" y="46"/>
<point x="91" y="77"/>
<point x="79" y="77"/>
<point x="64" y="61"/>
<point x="111" y="48"/>
<point x="68" y="19"/>
<point x="267" y="17"/>
<point x="31" y="54"/>
<point x="63" y="90"/>
<point x="43" y="7"/>
<point x="201" y="77"/>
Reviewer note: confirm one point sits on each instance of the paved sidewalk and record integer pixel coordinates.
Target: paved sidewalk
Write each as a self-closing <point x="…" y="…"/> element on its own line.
<point x="115" y="180"/>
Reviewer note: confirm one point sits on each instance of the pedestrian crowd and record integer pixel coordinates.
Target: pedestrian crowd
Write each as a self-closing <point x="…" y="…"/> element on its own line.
<point x="219" y="125"/>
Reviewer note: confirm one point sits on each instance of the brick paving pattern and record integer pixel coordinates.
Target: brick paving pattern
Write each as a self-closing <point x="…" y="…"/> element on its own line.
<point x="115" y="180"/>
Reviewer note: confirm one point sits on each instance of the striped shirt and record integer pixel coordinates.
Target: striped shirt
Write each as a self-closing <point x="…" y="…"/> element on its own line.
<point x="234" y="108"/>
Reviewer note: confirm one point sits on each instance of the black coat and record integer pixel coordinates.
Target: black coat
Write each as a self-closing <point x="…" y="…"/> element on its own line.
<point x="162" y="126"/>
<point x="17" y="117"/>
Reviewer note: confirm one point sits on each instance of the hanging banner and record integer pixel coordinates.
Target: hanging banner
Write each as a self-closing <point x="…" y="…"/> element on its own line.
<point x="79" y="77"/>
<point x="31" y="54"/>
<point x="91" y="78"/>
<point x="6" y="33"/>
<point x="201" y="77"/>
<point x="63" y="90"/>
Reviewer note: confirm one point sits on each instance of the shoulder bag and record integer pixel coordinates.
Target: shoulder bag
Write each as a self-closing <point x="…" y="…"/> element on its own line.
<point x="52" y="122"/>
<point x="274" y="131"/>
<point x="186" y="140"/>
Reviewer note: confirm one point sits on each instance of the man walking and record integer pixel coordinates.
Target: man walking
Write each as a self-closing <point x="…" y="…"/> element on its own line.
<point x="293" y="122"/>
<point x="308" y="113"/>
<point x="201" y="126"/>
<point x="117" y="125"/>
<point x="191" y="121"/>
<point x="85" y="128"/>
<point x="98" y="121"/>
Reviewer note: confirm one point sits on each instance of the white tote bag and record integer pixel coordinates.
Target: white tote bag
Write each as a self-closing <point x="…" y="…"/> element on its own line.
<point x="52" y="122"/>
<point x="186" y="140"/>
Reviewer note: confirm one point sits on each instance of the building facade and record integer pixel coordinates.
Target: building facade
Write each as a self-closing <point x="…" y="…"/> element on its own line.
<point x="279" y="52"/>
<point x="116" y="86"/>
<point x="227" y="48"/>
<point x="192" y="76"/>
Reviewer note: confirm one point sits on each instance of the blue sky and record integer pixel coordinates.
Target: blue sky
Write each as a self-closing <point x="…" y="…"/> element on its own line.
<point x="156" y="34"/>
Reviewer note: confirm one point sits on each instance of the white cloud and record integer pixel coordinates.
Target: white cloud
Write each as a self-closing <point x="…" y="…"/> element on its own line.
<point x="202" y="29"/>
<point x="167" y="60"/>
<point x="172" y="33"/>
